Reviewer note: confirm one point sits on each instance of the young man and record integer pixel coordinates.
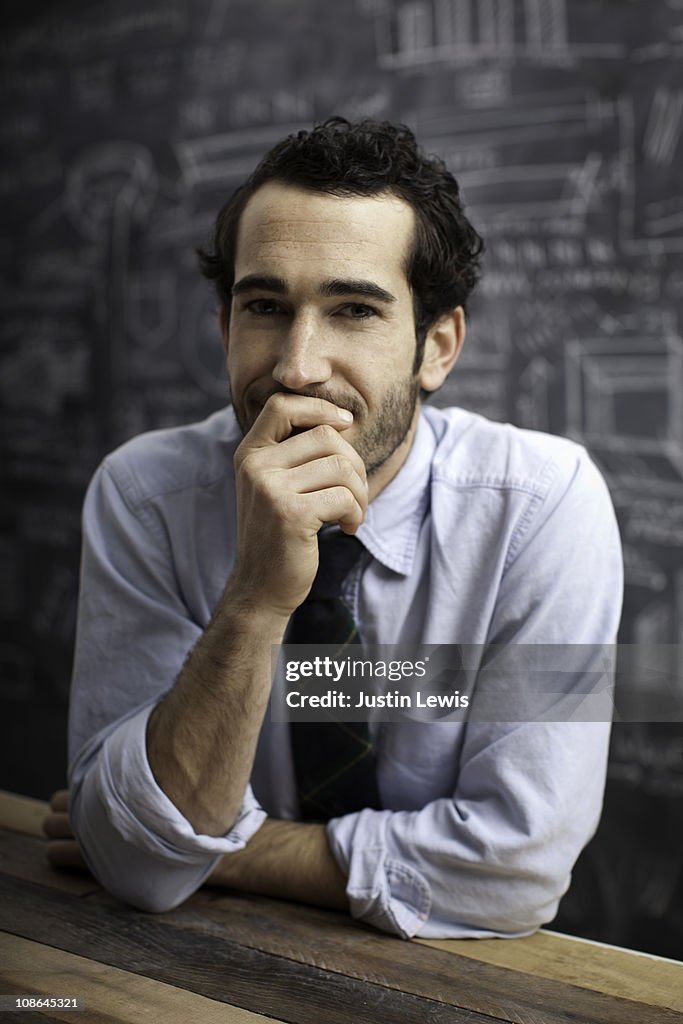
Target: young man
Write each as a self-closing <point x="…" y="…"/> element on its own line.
<point x="342" y="269"/>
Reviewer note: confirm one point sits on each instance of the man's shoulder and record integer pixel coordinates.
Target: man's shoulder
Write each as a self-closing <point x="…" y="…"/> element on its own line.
<point x="168" y="460"/>
<point x="473" y="451"/>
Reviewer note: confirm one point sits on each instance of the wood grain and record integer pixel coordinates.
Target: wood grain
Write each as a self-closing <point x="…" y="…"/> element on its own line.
<point x="111" y="996"/>
<point x="24" y="856"/>
<point x="302" y="966"/>
<point x="206" y="961"/>
<point x="591" y="965"/>
<point x="299" y="953"/>
<point x="332" y="940"/>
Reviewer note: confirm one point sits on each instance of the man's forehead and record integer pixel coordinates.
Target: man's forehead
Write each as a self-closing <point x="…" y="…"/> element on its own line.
<point x="307" y="238"/>
<point x="278" y="212"/>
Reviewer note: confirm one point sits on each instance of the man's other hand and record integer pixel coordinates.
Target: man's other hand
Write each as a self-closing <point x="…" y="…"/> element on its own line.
<point x="62" y="848"/>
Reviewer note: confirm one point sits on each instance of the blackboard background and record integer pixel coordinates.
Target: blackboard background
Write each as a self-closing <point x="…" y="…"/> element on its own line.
<point x="126" y="124"/>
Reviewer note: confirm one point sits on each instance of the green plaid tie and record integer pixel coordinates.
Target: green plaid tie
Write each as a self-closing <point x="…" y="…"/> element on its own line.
<point x="333" y="761"/>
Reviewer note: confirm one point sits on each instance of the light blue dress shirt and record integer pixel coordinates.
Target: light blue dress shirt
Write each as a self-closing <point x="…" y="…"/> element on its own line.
<point x="488" y="535"/>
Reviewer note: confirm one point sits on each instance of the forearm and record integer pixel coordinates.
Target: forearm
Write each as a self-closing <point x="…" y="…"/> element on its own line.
<point x="202" y="736"/>
<point x="287" y="859"/>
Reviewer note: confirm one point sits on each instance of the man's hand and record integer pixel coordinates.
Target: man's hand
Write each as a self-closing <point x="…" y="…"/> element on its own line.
<point x="294" y="472"/>
<point x="62" y="849"/>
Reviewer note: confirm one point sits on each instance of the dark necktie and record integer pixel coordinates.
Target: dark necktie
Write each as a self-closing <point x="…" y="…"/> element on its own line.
<point x="333" y="761"/>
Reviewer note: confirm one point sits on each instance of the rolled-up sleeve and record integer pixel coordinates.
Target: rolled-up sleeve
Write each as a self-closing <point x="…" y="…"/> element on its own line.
<point x="494" y="857"/>
<point x="134" y="633"/>
<point x="135" y="840"/>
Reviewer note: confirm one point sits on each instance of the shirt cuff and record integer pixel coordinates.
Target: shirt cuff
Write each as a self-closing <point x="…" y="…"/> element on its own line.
<point x="142" y="813"/>
<point x="383" y="891"/>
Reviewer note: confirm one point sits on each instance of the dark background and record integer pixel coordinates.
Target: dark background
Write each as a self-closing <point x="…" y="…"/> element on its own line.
<point x="126" y="124"/>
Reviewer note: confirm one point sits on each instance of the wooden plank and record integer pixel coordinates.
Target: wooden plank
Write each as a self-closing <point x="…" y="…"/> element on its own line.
<point x="321" y="938"/>
<point x="332" y="942"/>
<point x="22" y="813"/>
<point x="110" y="994"/>
<point x="205" y="960"/>
<point x="24" y="856"/>
<point x="592" y="965"/>
<point x="552" y="957"/>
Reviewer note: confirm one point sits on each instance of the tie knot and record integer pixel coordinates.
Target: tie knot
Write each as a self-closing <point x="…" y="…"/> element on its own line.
<point x="337" y="552"/>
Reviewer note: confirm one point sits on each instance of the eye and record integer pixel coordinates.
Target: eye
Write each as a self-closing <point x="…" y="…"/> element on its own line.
<point x="263" y="307"/>
<point x="358" y="311"/>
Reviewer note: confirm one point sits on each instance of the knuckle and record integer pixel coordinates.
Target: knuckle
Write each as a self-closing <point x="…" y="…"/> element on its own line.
<point x="248" y="464"/>
<point x="348" y="498"/>
<point x="332" y="497"/>
<point x="324" y="433"/>
<point x="340" y="465"/>
<point x="287" y="506"/>
<point x="267" y="491"/>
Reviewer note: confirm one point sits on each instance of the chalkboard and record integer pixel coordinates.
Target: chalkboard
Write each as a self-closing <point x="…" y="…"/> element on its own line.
<point x="125" y="126"/>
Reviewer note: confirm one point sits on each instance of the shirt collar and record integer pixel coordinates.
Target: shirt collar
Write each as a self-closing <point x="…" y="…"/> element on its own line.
<point x="392" y="523"/>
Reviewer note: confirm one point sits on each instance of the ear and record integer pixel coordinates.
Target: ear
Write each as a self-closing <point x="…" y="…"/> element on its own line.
<point x="224" y="324"/>
<point x="443" y="344"/>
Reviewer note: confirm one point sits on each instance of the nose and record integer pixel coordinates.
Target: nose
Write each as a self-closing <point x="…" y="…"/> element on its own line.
<point x="302" y="360"/>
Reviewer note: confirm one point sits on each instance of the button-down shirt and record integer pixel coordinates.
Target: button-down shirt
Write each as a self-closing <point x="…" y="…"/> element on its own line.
<point x="488" y="535"/>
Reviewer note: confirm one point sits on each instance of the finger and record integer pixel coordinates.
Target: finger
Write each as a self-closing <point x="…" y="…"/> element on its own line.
<point x="63" y="853"/>
<point x="321" y="440"/>
<point x="334" y="505"/>
<point x="57" y="826"/>
<point x="284" y="413"/>
<point x="331" y="471"/>
<point x="59" y="801"/>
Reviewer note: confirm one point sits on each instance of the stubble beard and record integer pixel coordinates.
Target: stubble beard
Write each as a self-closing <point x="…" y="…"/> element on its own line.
<point x="390" y="426"/>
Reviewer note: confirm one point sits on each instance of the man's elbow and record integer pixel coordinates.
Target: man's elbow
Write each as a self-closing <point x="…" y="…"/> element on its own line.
<point x="147" y="900"/>
<point x="139" y="889"/>
<point x="500" y="904"/>
<point x="139" y="878"/>
<point x="529" y="902"/>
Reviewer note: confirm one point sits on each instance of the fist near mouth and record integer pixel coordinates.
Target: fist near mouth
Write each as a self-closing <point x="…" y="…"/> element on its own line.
<point x="294" y="472"/>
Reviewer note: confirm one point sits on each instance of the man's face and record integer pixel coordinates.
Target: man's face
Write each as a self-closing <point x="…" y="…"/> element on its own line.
<point x="322" y="307"/>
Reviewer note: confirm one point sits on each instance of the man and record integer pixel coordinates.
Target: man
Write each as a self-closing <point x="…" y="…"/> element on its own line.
<point x="342" y="269"/>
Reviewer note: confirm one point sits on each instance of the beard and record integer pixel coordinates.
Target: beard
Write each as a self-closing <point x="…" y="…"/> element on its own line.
<point x="375" y="440"/>
<point x="387" y="430"/>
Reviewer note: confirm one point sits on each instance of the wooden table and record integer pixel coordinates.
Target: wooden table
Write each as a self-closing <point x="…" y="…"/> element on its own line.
<point x="234" y="958"/>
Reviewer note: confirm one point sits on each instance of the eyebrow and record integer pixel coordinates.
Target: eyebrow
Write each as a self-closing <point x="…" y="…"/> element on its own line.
<point x="335" y="286"/>
<point x="263" y="281"/>
<point x="344" y="286"/>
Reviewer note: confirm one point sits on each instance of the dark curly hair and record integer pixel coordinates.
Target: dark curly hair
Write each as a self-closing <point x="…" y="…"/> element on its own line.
<point x="365" y="158"/>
